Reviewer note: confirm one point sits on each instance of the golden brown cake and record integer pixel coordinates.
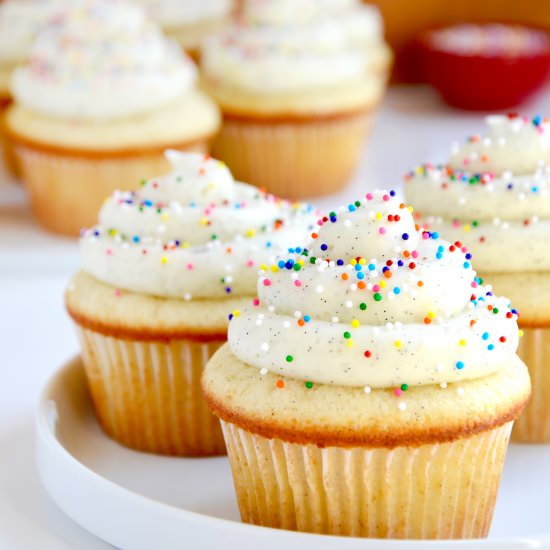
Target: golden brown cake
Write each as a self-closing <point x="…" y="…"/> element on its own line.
<point x="360" y="397"/>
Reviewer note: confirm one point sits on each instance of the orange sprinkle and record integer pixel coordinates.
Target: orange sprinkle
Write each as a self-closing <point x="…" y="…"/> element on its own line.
<point x="345" y="276"/>
<point x="387" y="274"/>
<point x="484" y="158"/>
<point x="402" y="205"/>
<point x="490" y="308"/>
<point x="229" y="250"/>
<point x="406" y="253"/>
<point x="472" y="322"/>
<point x="427" y="320"/>
<point x="361" y="285"/>
<point x="301" y="322"/>
<point x="314" y="235"/>
<point x="420" y="283"/>
<point x="280" y="384"/>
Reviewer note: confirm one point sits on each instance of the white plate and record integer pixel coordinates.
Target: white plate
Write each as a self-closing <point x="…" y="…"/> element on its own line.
<point x="138" y="501"/>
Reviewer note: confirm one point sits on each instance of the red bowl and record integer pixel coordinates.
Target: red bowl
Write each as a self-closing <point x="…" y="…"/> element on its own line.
<point x="485" y="67"/>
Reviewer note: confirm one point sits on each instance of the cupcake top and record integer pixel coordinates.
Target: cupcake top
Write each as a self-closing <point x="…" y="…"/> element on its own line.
<point x="494" y="194"/>
<point x="101" y="59"/>
<point x="295" y="45"/>
<point x="375" y="302"/>
<point x="20" y="21"/>
<point x="170" y="13"/>
<point x="193" y="233"/>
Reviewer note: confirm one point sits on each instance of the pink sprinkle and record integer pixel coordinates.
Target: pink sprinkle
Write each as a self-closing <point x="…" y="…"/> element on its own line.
<point x="466" y="162"/>
<point x="109" y="252"/>
<point x="250" y="263"/>
<point x="425" y="235"/>
<point x="456" y="224"/>
<point x="376" y="288"/>
<point x="474" y="284"/>
<point x="297" y="283"/>
<point x="256" y="301"/>
<point x="118" y="293"/>
<point x="414" y="253"/>
<point x="464" y="249"/>
<point x="398" y="392"/>
<point x="369" y="196"/>
<point x="320" y="222"/>
<point x="267" y="282"/>
<point x="385" y="198"/>
<point x="382" y="230"/>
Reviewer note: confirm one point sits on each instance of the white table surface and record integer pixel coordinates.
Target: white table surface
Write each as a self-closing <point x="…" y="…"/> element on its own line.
<point x="36" y="336"/>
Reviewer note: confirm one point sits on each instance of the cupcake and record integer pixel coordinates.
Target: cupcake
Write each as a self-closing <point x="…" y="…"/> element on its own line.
<point x="160" y="274"/>
<point x="494" y="196"/>
<point x="191" y="21"/>
<point x="297" y="83"/>
<point x="20" y="21"/>
<point x="101" y="97"/>
<point x="359" y="396"/>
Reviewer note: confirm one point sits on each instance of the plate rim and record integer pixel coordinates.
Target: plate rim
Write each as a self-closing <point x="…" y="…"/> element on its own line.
<point x="50" y="449"/>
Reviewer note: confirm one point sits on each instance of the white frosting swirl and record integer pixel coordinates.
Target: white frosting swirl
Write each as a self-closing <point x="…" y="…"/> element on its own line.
<point x="100" y="60"/>
<point x="194" y="233"/>
<point x="282" y="46"/>
<point x="375" y="302"/>
<point x="494" y="195"/>
<point x="170" y="13"/>
<point x="20" y="21"/>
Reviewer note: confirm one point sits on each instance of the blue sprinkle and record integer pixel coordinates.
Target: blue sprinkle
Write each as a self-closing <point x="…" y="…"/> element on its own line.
<point x="324" y="247"/>
<point x="281" y="264"/>
<point x="358" y="267"/>
<point x="340" y="262"/>
<point x="135" y="239"/>
<point x="360" y="275"/>
<point x="491" y="347"/>
<point x="392" y="193"/>
<point x="371" y="267"/>
<point x="397" y="290"/>
<point x="485" y="336"/>
<point x="459" y="365"/>
<point x="400" y="263"/>
<point x="405" y="236"/>
<point x="466" y="265"/>
<point x="468" y="256"/>
<point x="435" y="235"/>
<point x="307" y="318"/>
<point x="351" y="208"/>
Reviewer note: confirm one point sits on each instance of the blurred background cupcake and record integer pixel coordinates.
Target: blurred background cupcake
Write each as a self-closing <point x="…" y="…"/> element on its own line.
<point x="189" y="21"/>
<point x="20" y="21"/>
<point x="101" y="96"/>
<point x="297" y="82"/>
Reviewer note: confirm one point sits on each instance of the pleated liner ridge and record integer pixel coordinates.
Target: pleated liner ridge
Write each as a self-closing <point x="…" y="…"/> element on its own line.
<point x="294" y="159"/>
<point x="147" y="395"/>
<point x="442" y="490"/>
<point x="533" y="426"/>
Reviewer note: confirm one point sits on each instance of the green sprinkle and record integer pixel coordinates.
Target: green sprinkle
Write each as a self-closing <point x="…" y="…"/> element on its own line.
<point x="404" y="387"/>
<point x="289" y="358"/>
<point x="495" y="310"/>
<point x="312" y="260"/>
<point x="357" y="203"/>
<point x="214" y="236"/>
<point x="347" y="335"/>
<point x="143" y="182"/>
<point x="362" y="306"/>
<point x="297" y="267"/>
<point x="377" y="296"/>
<point x="309" y="385"/>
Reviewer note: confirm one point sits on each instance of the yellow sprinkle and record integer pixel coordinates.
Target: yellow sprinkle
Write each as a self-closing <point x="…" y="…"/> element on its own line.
<point x="353" y="261"/>
<point x="349" y="343"/>
<point x="164" y="217"/>
<point x="185" y="245"/>
<point x="263" y="267"/>
<point x="204" y="221"/>
<point x="274" y="269"/>
<point x="300" y="262"/>
<point x="112" y="232"/>
<point x="382" y="284"/>
<point x="355" y="323"/>
<point x="397" y="343"/>
<point x="520" y="333"/>
<point x="362" y="261"/>
<point x="378" y="216"/>
<point x="431" y="315"/>
<point x="236" y="313"/>
<point x="410" y="208"/>
<point x="462" y="342"/>
<point x="164" y="260"/>
<point x="466" y="228"/>
<point x="250" y="233"/>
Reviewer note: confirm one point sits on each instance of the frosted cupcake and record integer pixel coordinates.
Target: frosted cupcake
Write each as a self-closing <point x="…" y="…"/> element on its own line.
<point x="372" y="390"/>
<point x="297" y="83"/>
<point x="191" y="21"/>
<point x="494" y="196"/>
<point x="20" y="21"/>
<point x="160" y="274"/>
<point x="101" y="97"/>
